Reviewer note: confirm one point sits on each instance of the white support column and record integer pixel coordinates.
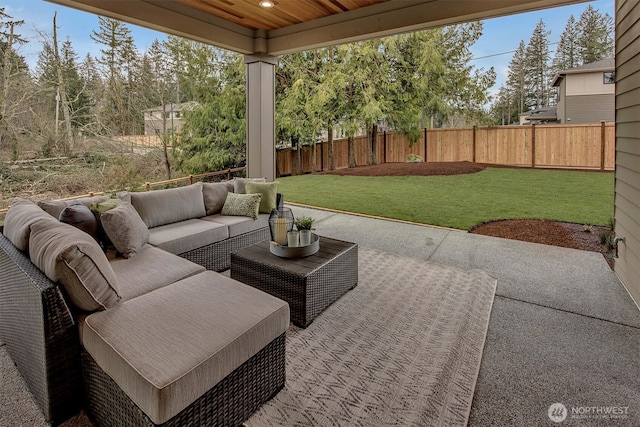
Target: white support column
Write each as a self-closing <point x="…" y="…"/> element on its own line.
<point x="261" y="116"/>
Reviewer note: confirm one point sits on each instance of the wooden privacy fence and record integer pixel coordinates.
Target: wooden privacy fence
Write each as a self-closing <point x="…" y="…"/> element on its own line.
<point x="584" y="146"/>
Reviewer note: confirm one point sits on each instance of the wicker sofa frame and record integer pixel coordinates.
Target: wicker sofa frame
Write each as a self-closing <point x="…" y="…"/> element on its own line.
<point x="217" y="256"/>
<point x="40" y="332"/>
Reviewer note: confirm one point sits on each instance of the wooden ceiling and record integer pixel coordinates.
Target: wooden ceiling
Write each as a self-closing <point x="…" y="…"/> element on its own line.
<point x="249" y="13"/>
<point x="295" y="25"/>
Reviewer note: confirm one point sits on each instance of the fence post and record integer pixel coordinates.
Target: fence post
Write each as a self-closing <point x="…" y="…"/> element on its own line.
<point x="321" y="155"/>
<point x="190" y="179"/>
<point x="147" y="186"/>
<point x="533" y="145"/>
<point x="425" y="144"/>
<point x="602" y="144"/>
<point x="229" y="174"/>
<point x="475" y="128"/>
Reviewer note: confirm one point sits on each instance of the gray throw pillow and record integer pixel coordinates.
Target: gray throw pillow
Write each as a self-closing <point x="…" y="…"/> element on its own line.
<point x="240" y="183"/>
<point x="242" y="205"/>
<point x="126" y="230"/>
<point x="215" y="194"/>
<point x="81" y="218"/>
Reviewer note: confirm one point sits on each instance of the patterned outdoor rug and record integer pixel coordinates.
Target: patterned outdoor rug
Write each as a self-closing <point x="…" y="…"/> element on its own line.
<point x="402" y="348"/>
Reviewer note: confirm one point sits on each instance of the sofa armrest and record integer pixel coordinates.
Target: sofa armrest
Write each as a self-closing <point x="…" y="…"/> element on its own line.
<point x="40" y="333"/>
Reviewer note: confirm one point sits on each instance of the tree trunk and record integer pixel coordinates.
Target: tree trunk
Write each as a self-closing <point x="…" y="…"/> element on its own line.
<point x="352" y="153"/>
<point x="332" y="162"/>
<point x="373" y="145"/>
<point x="68" y="145"/>
<point x="314" y="156"/>
<point x="6" y="71"/>
<point x="297" y="167"/>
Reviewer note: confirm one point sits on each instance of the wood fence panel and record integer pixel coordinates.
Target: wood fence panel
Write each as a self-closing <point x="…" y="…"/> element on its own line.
<point x="507" y="145"/>
<point x="284" y="161"/>
<point x="449" y="145"/>
<point x="570" y="146"/>
<point x="576" y="146"/>
<point x="610" y="146"/>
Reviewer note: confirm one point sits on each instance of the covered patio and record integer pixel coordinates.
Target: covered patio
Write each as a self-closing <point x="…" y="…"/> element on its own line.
<point x="562" y="329"/>
<point x="262" y="33"/>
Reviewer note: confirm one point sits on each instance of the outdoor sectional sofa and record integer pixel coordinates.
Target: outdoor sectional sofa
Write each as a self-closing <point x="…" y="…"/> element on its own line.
<point x="151" y="337"/>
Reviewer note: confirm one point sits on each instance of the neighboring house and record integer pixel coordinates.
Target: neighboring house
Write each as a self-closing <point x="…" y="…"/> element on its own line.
<point x="586" y="94"/>
<point x="544" y="115"/>
<point x="169" y="118"/>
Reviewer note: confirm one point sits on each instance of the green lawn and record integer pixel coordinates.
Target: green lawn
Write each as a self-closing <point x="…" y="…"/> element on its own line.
<point x="462" y="201"/>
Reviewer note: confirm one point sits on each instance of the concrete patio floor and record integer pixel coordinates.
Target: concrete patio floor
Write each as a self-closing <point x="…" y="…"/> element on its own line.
<point x="563" y="329"/>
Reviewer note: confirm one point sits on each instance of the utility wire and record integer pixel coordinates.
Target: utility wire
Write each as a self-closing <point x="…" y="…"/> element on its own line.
<point x="501" y="53"/>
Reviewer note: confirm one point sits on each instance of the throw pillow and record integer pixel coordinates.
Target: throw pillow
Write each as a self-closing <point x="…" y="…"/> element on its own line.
<point x="125" y="229"/>
<point x="215" y="194"/>
<point x="72" y="258"/>
<point x="98" y="209"/>
<point x="81" y="218"/>
<point x="242" y="205"/>
<point x="269" y="192"/>
<point x="239" y="184"/>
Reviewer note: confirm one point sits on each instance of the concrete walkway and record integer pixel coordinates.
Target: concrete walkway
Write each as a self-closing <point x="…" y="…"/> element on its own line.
<point x="563" y="329"/>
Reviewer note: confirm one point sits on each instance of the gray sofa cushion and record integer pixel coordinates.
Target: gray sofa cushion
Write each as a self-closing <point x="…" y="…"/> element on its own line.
<point x="125" y="229"/>
<point x="18" y="220"/>
<point x="73" y="258"/>
<point x="160" y="207"/>
<point x="215" y="194"/>
<point x="168" y="347"/>
<point x="150" y="269"/>
<point x="184" y="236"/>
<point x="239" y="224"/>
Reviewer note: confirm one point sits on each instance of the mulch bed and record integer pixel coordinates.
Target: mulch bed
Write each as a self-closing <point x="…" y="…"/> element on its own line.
<point x="562" y="234"/>
<point x="410" y="169"/>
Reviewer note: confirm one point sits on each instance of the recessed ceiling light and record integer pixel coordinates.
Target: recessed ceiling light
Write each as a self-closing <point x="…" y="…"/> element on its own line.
<point x="267" y="3"/>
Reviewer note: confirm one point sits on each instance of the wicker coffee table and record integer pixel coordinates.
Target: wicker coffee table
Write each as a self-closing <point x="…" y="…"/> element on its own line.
<point x="308" y="284"/>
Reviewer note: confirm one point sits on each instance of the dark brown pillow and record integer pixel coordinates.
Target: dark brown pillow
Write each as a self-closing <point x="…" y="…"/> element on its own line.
<point x="81" y="217"/>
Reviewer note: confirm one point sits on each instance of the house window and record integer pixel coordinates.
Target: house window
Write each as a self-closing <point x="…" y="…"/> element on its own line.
<point x="609" y="77"/>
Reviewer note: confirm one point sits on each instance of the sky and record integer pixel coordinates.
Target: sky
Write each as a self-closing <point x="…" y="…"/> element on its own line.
<point x="500" y="36"/>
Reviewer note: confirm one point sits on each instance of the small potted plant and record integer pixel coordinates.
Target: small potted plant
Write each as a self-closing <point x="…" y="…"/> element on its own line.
<point x="304" y="224"/>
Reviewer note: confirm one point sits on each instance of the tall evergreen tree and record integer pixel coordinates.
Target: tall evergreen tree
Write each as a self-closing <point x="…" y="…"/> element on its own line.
<point x="517" y="79"/>
<point x="596" y="37"/>
<point x="568" y="54"/>
<point x="94" y="89"/>
<point x="214" y="132"/>
<point x="14" y="83"/>
<point x="117" y="56"/>
<point x="538" y="66"/>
